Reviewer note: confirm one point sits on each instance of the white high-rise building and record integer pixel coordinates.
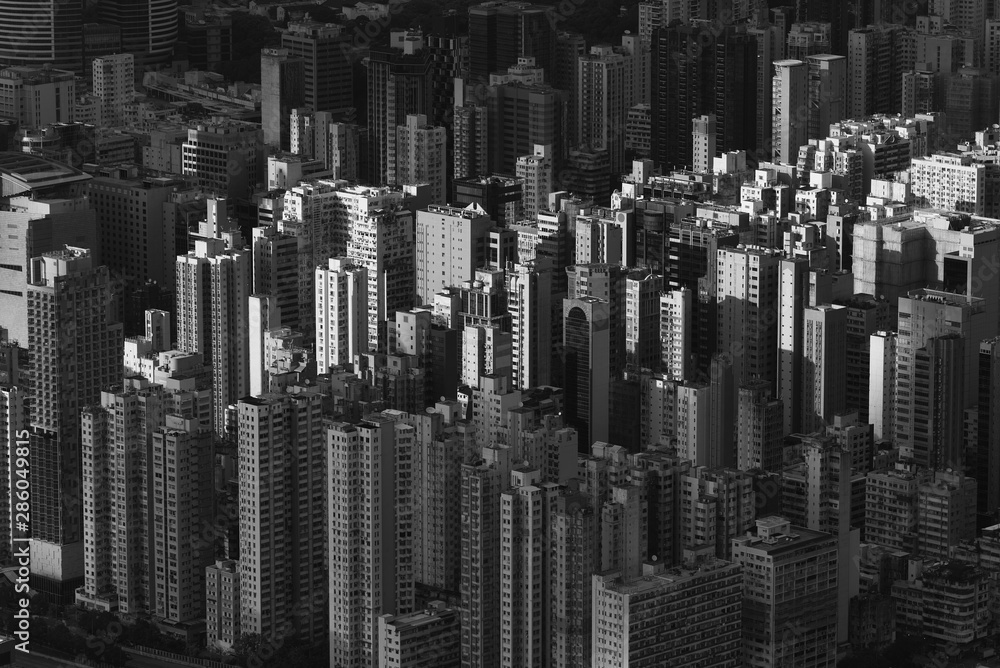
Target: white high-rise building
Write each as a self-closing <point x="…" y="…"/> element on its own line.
<point x="114" y="85"/>
<point x="790" y="104"/>
<point x="381" y="233"/>
<point x="370" y="522"/>
<point x="451" y="245"/>
<point x="950" y="183"/>
<point x="421" y="156"/>
<point x="882" y="385"/>
<point x="341" y="313"/>
<point x="529" y="302"/>
<point x="676" y="328"/>
<point x="703" y="143"/>
<point x="485" y="351"/>
<point x="213" y="284"/>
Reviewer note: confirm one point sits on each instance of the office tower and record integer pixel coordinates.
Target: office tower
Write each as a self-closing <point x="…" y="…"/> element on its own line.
<point x="114" y="85"/>
<point x="213" y="283"/>
<point x="703" y="142"/>
<point x="341" y="313"/>
<point x="587" y="342"/>
<point x="692" y="79"/>
<point x="882" y="385"/>
<point x="499" y="196"/>
<point x="45" y="209"/>
<point x="937" y="373"/>
<point x="483" y="480"/>
<point x="569" y="48"/>
<point x="536" y="171"/>
<point x="946" y="513"/>
<point x="370" y="523"/>
<point x="225" y="158"/>
<point x="770" y="47"/>
<point x="208" y="34"/>
<point x="116" y="436"/>
<point x="521" y="116"/>
<point x="525" y="558"/>
<point x="421" y="156"/>
<point x="381" y="241"/>
<point x="136" y="253"/>
<point x="148" y="27"/>
<point x="429" y="637"/>
<point x="985" y="448"/>
<point x="449" y="48"/>
<point x="41" y="32"/>
<point x="222" y="598"/>
<point x="327" y="83"/>
<point x="607" y="282"/>
<point x="824" y="365"/>
<point x="399" y="84"/>
<point x="875" y="63"/>
<point x="451" y="245"/>
<point x="827" y="92"/>
<point x="275" y="273"/>
<point x="75" y="345"/>
<point x="606" y="89"/>
<point x="704" y="598"/>
<point x="799" y="627"/>
<point x="790" y="101"/>
<point x="502" y="32"/>
<point x="747" y="299"/>
<point x="759" y="442"/>
<point x="37" y="96"/>
<point x="282" y="565"/>
<point x="282" y="87"/>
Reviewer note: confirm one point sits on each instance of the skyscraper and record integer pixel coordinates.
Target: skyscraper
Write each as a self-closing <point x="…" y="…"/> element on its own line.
<point x="790" y="101"/>
<point x="451" y="245"/>
<point x="422" y="156"/>
<point x="341" y="313"/>
<point x="114" y="84"/>
<point x="605" y="93"/>
<point x="691" y="79"/>
<point x="328" y="83"/>
<point x="502" y="32"/>
<point x="42" y="32"/>
<point x="282" y="87"/>
<point x="587" y="341"/>
<point x="148" y="27"/>
<point x="75" y="345"/>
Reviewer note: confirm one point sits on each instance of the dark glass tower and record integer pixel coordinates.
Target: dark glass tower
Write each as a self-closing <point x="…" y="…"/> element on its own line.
<point x="42" y="32"/>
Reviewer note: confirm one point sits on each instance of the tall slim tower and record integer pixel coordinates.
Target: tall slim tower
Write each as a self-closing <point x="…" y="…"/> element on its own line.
<point x="790" y="101"/>
<point x="282" y="88"/>
<point x="370" y="522"/>
<point x="114" y="84"/>
<point x="604" y="95"/>
<point x="75" y="347"/>
<point x="341" y="313"/>
<point x="328" y="83"/>
<point x="213" y="284"/>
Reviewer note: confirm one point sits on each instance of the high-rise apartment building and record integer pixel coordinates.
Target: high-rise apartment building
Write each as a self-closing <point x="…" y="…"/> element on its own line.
<point x="224" y="158"/>
<point x="114" y="85"/>
<point x="824" y="365"/>
<point x="75" y="346"/>
<point x="605" y="92"/>
<point x="282" y="481"/>
<point x="876" y="60"/>
<point x="522" y="114"/>
<point x="502" y="32"/>
<point x="222" y="604"/>
<point x="827" y="92"/>
<point x="341" y="313"/>
<point x="421" y="156"/>
<point x="536" y="171"/>
<point x="370" y="522"/>
<point x="705" y="599"/>
<point x="213" y="284"/>
<point x="789" y="595"/>
<point x="759" y="428"/>
<point x="451" y="245"/>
